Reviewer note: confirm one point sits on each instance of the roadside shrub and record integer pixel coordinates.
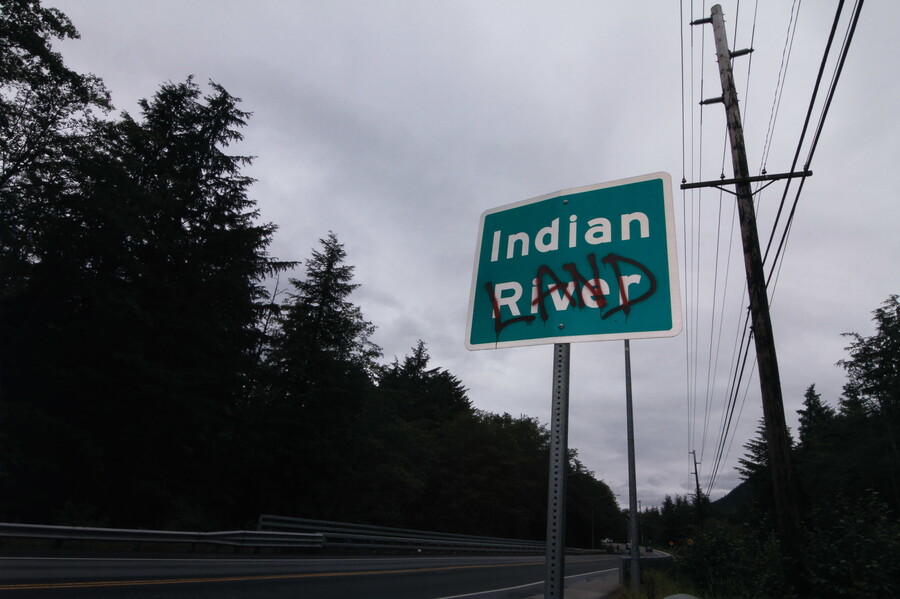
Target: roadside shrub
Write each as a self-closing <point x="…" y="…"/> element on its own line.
<point x="853" y="549"/>
<point x="727" y="562"/>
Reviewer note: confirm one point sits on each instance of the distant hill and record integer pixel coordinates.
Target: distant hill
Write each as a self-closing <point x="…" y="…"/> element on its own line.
<point x="737" y="498"/>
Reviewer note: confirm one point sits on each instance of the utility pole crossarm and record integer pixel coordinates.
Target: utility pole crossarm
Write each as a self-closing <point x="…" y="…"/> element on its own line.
<point x="757" y="179"/>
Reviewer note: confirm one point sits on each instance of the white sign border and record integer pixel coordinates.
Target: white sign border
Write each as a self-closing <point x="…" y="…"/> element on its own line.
<point x="671" y="250"/>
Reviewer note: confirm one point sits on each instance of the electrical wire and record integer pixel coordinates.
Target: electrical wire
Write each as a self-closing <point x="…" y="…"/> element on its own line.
<point x="779" y="85"/>
<point x="684" y="203"/>
<point x="829" y="97"/>
<point x="713" y="367"/>
<point x="806" y="120"/>
<point x="722" y="450"/>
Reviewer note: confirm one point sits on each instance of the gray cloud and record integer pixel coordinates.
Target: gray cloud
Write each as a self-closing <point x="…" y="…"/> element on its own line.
<point x="397" y="123"/>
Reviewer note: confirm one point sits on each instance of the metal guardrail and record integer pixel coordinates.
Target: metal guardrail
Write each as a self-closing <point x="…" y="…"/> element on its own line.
<point x="237" y="538"/>
<point x="361" y="536"/>
<point x="293" y="533"/>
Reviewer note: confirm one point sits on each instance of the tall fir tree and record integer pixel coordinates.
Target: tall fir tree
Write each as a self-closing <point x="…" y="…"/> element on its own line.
<point x="322" y="363"/>
<point x="324" y="340"/>
<point x="754" y="468"/>
<point x="130" y="327"/>
<point x="814" y="417"/>
<point x="870" y="405"/>
<point x="431" y="395"/>
<point x="873" y="369"/>
<point x="47" y="116"/>
<point x="201" y="262"/>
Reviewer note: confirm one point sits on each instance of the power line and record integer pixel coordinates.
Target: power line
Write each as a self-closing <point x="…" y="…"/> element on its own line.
<point x="779" y="86"/>
<point x="829" y="97"/>
<point x="806" y="120"/>
<point x="695" y="287"/>
<point x="720" y="457"/>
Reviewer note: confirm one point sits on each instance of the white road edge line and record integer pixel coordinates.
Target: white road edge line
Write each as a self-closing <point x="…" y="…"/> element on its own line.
<point x="530" y="584"/>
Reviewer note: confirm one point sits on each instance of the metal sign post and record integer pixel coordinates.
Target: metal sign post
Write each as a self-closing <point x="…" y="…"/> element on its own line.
<point x="554" y="581"/>
<point x="633" y="537"/>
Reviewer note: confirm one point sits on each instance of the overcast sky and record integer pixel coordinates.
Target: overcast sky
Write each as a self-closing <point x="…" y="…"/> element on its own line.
<point x="395" y="124"/>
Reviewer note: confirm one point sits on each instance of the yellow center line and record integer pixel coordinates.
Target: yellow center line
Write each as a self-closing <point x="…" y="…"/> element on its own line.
<point x="161" y="581"/>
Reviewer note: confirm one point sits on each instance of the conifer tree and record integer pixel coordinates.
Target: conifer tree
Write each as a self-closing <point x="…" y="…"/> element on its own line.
<point x="870" y="406"/>
<point x="425" y="394"/>
<point x="47" y="115"/>
<point x="322" y="363"/>
<point x="47" y="112"/>
<point x="813" y="417"/>
<point x="873" y="369"/>
<point x="130" y="324"/>
<point x="324" y="340"/>
<point x="754" y="467"/>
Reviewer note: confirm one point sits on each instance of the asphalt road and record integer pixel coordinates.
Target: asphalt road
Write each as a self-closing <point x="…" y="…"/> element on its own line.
<point x="417" y="577"/>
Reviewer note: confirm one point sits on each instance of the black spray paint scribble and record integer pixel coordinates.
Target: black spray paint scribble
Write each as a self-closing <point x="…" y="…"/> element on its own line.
<point x="575" y="294"/>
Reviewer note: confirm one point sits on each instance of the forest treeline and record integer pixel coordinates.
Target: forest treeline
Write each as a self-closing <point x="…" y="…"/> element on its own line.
<point x="150" y="376"/>
<point x="847" y="462"/>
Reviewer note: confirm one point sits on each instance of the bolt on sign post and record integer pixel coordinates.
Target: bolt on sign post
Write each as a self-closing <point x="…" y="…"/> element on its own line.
<point x="586" y="264"/>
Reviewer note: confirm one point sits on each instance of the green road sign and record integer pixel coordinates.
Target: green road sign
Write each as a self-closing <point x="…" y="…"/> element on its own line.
<point x="585" y="264"/>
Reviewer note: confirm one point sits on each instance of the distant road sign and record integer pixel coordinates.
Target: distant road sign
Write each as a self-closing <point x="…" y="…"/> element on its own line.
<point x="585" y="264"/>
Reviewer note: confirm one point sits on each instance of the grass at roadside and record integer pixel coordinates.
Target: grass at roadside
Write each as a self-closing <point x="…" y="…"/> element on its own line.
<point x="656" y="585"/>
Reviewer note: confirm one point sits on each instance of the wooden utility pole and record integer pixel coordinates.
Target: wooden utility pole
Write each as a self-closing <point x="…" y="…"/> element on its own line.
<point x="697" y="486"/>
<point x="780" y="463"/>
<point x="696" y="476"/>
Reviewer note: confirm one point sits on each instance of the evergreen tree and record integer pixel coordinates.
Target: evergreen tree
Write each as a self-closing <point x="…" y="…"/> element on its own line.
<point x="323" y="361"/>
<point x="430" y="408"/>
<point x="487" y="474"/>
<point x="818" y="449"/>
<point x="813" y="417"/>
<point x="591" y="510"/>
<point x="870" y="405"/>
<point x="754" y="468"/>
<point x="203" y="255"/>
<point x="134" y="314"/>
<point x="677" y="519"/>
<point x="47" y="113"/>
<point x="873" y="368"/>
<point x="323" y="340"/>
<point x="201" y="263"/>
<point x="755" y="462"/>
<point x="426" y="394"/>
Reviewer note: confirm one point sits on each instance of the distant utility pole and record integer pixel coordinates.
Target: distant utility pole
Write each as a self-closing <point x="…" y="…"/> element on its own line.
<point x="783" y="477"/>
<point x="697" y="484"/>
<point x="696" y="475"/>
